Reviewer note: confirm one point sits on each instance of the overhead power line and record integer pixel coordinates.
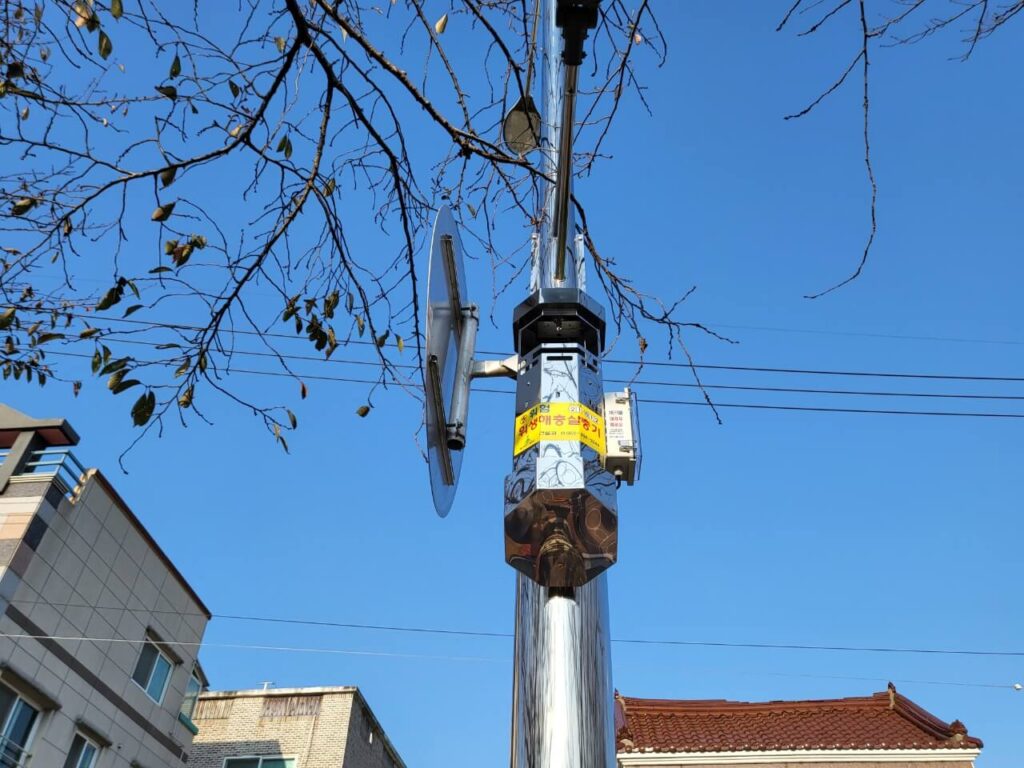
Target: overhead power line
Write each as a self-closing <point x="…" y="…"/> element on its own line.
<point x="653" y="401"/>
<point x="631" y="382"/>
<point x="617" y="361"/>
<point x="412" y="629"/>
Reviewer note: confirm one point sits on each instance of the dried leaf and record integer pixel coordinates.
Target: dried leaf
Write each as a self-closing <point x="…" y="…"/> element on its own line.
<point x="23" y="206"/>
<point x="167" y="176"/>
<point x="280" y="43"/>
<point x="163" y="212"/>
<point x="175" y="66"/>
<point x="362" y="411"/>
<point x="292" y="420"/>
<point x="360" y="324"/>
<point x="105" y="46"/>
<point x="81" y="13"/>
<point x="235" y="90"/>
<point x="167" y="90"/>
<point x="399" y="343"/>
<point x="186" y="398"/>
<point x="88" y="332"/>
<point x="7" y="318"/>
<point x="302" y="390"/>
<point x="132" y="310"/>
<point x="441" y="24"/>
<point x="116" y="8"/>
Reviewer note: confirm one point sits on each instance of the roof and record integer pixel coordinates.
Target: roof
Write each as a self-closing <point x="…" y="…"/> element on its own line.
<point x="885" y="720"/>
<point x="266" y="692"/>
<point x="52" y="431"/>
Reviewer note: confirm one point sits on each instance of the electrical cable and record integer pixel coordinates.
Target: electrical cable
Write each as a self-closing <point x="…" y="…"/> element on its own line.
<point x="630" y="382"/>
<point x="654" y="401"/>
<point x="614" y="361"/>
<point x="506" y="635"/>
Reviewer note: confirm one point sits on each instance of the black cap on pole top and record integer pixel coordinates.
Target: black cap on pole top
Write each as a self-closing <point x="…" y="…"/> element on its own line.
<point x="575" y="18"/>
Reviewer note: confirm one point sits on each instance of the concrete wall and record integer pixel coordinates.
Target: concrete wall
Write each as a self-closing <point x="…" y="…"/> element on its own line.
<point x="87" y="569"/>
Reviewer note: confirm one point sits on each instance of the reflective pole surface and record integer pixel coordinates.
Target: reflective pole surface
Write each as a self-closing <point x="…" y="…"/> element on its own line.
<point x="562" y="711"/>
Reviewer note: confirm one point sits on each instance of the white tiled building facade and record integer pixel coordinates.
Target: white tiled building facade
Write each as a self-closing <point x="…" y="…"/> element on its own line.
<point x="75" y="562"/>
<point x="290" y="728"/>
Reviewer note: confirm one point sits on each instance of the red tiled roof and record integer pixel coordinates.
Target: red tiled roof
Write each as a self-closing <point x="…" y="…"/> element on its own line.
<point x="884" y="720"/>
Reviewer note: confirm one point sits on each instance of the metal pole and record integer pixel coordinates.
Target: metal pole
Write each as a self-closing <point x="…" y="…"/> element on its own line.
<point x="562" y="685"/>
<point x="553" y="102"/>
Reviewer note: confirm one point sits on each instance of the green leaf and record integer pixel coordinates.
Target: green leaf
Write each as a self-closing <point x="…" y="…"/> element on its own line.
<point x="105" y="46"/>
<point x="114" y="365"/>
<point x="175" y="66"/>
<point x="167" y="176"/>
<point x="399" y="343"/>
<point x="143" y="409"/>
<point x="167" y="90"/>
<point x="362" y="411"/>
<point x="285" y="145"/>
<point x="116" y="8"/>
<point x="123" y="385"/>
<point x="163" y="212"/>
<point x="110" y="298"/>
<point x="132" y="310"/>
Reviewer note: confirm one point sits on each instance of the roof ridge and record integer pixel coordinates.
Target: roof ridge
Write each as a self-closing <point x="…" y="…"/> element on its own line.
<point x="926" y="721"/>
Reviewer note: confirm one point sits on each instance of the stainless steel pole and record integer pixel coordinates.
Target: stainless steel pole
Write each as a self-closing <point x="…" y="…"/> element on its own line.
<point x="562" y="685"/>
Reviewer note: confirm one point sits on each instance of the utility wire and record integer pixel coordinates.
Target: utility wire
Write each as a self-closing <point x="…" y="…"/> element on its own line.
<point x="409" y="629"/>
<point x="654" y="401"/>
<point x="641" y="382"/>
<point x="617" y="361"/>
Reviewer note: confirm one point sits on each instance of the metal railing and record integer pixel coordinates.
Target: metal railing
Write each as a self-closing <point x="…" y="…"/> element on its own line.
<point x="59" y="463"/>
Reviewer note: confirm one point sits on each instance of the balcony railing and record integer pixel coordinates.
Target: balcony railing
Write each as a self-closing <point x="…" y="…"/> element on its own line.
<point x="13" y="755"/>
<point x="58" y="463"/>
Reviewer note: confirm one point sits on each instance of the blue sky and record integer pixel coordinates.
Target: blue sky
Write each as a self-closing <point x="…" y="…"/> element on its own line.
<point x="775" y="527"/>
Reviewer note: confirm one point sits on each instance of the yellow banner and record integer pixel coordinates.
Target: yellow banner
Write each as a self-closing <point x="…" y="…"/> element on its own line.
<point x="559" y="421"/>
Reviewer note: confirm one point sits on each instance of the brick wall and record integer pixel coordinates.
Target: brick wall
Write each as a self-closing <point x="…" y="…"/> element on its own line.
<point x="320" y="728"/>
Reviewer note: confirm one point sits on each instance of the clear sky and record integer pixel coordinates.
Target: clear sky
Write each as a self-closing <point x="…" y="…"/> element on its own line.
<point x="777" y="526"/>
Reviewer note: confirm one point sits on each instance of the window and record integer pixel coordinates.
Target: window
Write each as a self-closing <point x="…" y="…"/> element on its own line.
<point x="192" y="691"/>
<point x="17" y="718"/>
<point x="152" y="672"/>
<point x="82" y="754"/>
<point x="259" y="762"/>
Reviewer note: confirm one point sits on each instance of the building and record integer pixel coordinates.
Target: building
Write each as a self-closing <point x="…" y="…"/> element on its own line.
<point x="75" y="562"/>
<point x="290" y="728"/>
<point x="885" y="729"/>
